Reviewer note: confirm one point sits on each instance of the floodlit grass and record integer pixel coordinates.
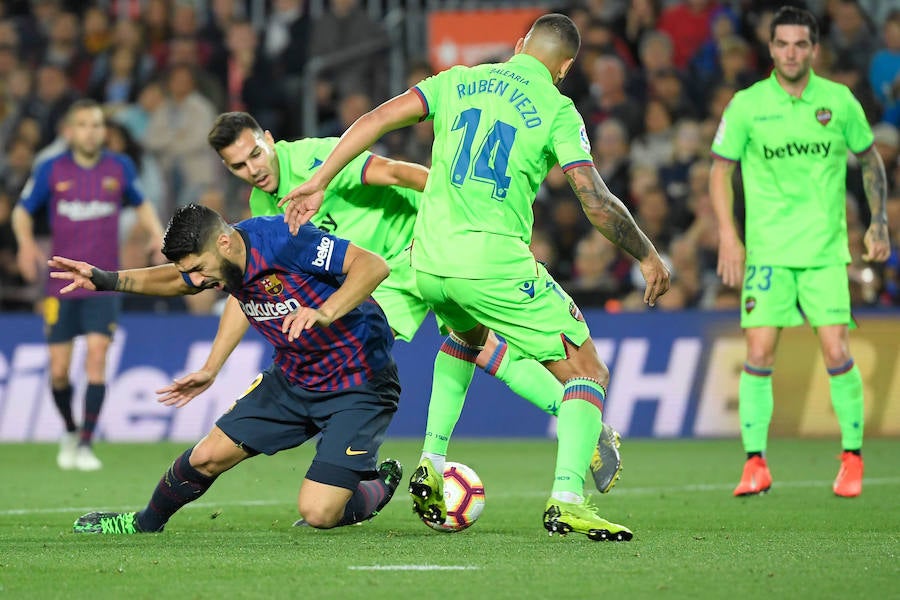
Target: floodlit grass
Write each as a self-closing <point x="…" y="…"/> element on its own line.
<point x="692" y="538"/>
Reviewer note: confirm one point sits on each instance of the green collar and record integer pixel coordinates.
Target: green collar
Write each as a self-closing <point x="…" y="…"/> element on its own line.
<point x="533" y="64"/>
<point x="809" y="92"/>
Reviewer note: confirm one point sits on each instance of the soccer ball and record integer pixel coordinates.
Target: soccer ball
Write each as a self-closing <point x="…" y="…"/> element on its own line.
<point x="464" y="495"/>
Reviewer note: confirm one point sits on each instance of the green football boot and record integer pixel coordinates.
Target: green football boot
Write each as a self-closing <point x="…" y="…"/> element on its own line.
<point x="107" y="522"/>
<point x="564" y="517"/>
<point x="426" y="487"/>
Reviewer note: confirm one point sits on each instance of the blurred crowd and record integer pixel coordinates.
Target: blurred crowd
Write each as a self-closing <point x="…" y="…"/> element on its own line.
<point x="651" y="82"/>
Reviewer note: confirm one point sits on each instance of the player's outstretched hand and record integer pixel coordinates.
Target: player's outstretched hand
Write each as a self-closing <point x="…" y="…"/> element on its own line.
<point x="731" y="260"/>
<point x="878" y="243"/>
<point x="301" y="203"/>
<point x="76" y="271"/>
<point x="301" y="319"/>
<point x="181" y="391"/>
<point x="656" y="274"/>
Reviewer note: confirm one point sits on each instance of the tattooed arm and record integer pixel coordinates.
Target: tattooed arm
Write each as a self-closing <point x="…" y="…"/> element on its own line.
<point x="878" y="245"/>
<point x="610" y="217"/>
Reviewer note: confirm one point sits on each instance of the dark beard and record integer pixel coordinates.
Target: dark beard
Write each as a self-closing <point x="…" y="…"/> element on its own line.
<point x="232" y="275"/>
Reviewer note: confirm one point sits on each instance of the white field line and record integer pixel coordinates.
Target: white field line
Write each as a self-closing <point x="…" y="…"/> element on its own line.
<point x="414" y="568"/>
<point x="619" y="491"/>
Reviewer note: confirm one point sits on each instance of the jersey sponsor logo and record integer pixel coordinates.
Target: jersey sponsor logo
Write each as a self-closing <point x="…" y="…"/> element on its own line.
<point x="792" y="149"/>
<point x="110" y="184"/>
<point x="79" y="210"/>
<point x="323" y="253"/>
<point x="823" y="116"/>
<point x="328" y="224"/>
<point x="266" y="311"/>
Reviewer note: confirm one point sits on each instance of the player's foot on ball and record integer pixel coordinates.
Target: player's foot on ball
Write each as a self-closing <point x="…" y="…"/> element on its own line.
<point x="755" y="479"/>
<point x="848" y="482"/>
<point x="107" y="522"/>
<point x="606" y="463"/>
<point x="426" y="487"/>
<point x="565" y="517"/>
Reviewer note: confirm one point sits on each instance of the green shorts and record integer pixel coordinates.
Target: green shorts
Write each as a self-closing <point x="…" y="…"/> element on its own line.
<point x="782" y="296"/>
<point x="533" y="315"/>
<point x="401" y="301"/>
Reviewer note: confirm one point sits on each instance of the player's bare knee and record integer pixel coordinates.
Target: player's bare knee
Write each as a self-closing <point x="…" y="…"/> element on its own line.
<point x="836" y="357"/>
<point x="208" y="460"/>
<point x="318" y="515"/>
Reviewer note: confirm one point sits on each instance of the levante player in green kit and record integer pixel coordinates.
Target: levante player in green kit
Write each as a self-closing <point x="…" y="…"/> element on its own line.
<point x="499" y="128"/>
<point x="792" y="133"/>
<point x="374" y="202"/>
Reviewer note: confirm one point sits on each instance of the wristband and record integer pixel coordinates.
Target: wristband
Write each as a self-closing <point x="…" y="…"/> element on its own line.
<point x="104" y="281"/>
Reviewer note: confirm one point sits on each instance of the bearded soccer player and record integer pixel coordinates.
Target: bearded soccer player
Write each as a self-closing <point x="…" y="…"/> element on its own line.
<point x="792" y="134"/>
<point x="374" y="202"/>
<point x="84" y="190"/>
<point x="499" y="128"/>
<point x="309" y="296"/>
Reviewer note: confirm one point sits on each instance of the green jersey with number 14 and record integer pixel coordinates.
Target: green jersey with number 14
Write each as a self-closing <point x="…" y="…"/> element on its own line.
<point x="498" y="130"/>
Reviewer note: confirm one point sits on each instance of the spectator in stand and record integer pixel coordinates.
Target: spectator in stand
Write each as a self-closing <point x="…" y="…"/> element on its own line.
<point x="176" y="134"/>
<point x="286" y="46"/>
<point x="705" y="62"/>
<point x="639" y="19"/>
<point x="96" y="33"/>
<point x="655" y="54"/>
<point x="884" y="70"/>
<point x="184" y="50"/>
<point x="16" y="166"/>
<point x="157" y="29"/>
<point x="64" y="50"/>
<point x="853" y="36"/>
<point x="608" y="99"/>
<point x="49" y="102"/>
<point x="654" y="146"/>
<point x="126" y="34"/>
<point x="687" y="23"/>
<point x="686" y="150"/>
<point x="668" y="86"/>
<point x="136" y="116"/>
<point x="345" y="25"/>
<point x="611" y="150"/>
<point x="122" y="81"/>
<point x="600" y="272"/>
<point x="219" y="17"/>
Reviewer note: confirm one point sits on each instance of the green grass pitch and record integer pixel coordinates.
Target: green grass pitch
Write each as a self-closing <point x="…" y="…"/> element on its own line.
<point x="692" y="538"/>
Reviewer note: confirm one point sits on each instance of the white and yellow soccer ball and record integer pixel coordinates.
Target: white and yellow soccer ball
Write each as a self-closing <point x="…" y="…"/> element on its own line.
<point x="464" y="496"/>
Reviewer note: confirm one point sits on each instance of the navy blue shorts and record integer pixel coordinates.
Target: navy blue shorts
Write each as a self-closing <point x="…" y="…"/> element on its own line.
<point x="64" y="319"/>
<point x="275" y="415"/>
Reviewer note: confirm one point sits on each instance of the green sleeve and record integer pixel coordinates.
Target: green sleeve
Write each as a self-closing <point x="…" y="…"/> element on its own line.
<point x="429" y="90"/>
<point x="731" y="136"/>
<point x="570" y="141"/>
<point x="856" y="130"/>
<point x="263" y="204"/>
<point x="350" y="177"/>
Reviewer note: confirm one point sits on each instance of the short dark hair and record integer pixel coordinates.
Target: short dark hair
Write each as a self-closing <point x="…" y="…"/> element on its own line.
<point x="83" y="104"/>
<point x="228" y="127"/>
<point x="791" y="15"/>
<point x="191" y="229"/>
<point x="563" y="28"/>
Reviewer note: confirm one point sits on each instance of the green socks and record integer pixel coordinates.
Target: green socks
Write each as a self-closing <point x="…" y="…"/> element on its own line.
<point x="847" y="399"/>
<point x="755" y="404"/>
<point x="526" y="377"/>
<point x="577" y="429"/>
<point x="453" y="370"/>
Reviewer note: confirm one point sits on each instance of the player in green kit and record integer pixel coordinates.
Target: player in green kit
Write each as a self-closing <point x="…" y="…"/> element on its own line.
<point x="374" y="202"/>
<point x="792" y="133"/>
<point x="499" y="128"/>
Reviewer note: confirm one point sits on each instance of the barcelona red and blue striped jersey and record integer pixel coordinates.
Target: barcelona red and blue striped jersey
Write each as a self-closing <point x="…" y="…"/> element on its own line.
<point x="284" y="272"/>
<point x="83" y="207"/>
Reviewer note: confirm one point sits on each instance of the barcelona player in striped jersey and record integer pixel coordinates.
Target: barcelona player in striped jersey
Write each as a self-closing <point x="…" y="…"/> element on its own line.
<point x="83" y="191"/>
<point x="332" y="373"/>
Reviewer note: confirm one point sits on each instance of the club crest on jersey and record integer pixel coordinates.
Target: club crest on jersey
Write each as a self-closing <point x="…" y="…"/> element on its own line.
<point x="110" y="184"/>
<point x="272" y="285"/>
<point x="575" y="311"/>
<point x="823" y="116"/>
<point x="749" y="304"/>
